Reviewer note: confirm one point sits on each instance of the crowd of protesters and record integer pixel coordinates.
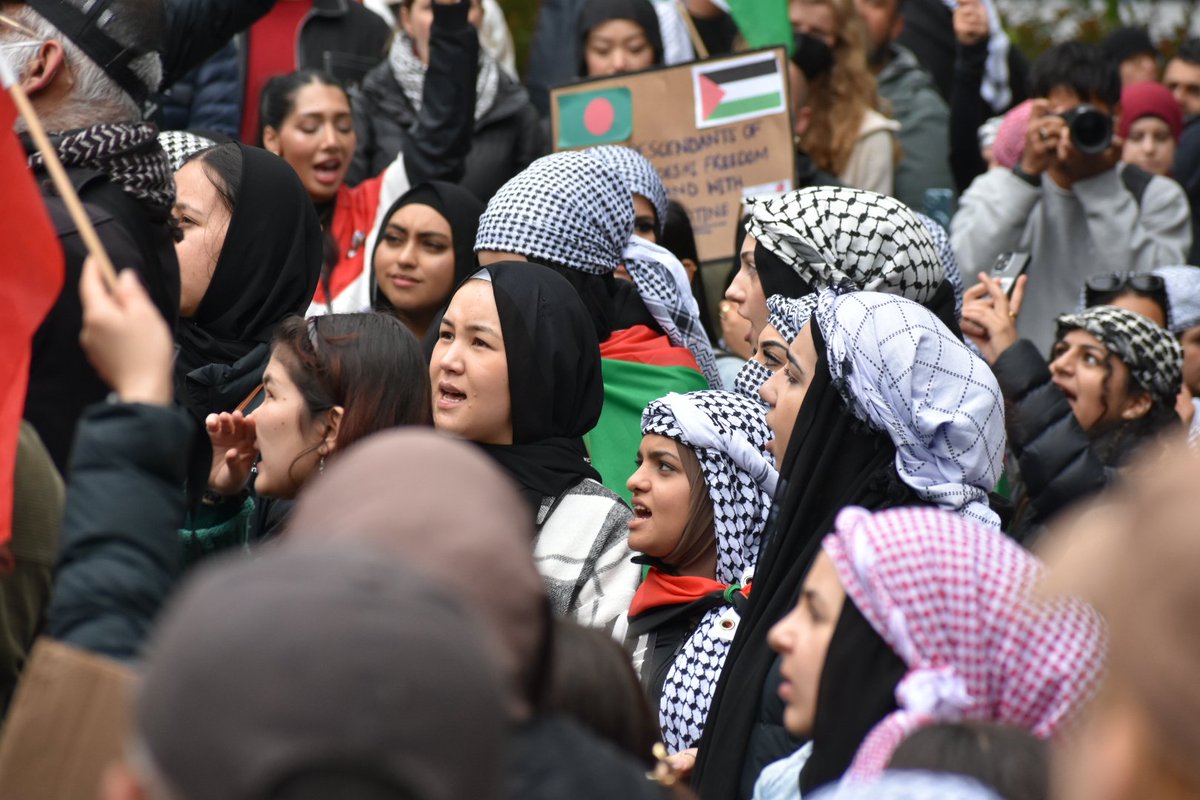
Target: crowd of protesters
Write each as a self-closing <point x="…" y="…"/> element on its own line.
<point x="403" y="457"/>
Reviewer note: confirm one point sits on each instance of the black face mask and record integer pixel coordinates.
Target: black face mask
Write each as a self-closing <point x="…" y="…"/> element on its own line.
<point x="812" y="56"/>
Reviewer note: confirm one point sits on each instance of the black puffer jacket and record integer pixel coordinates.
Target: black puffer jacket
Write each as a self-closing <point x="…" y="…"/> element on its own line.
<point x="506" y="139"/>
<point x="119" y="553"/>
<point x="1057" y="463"/>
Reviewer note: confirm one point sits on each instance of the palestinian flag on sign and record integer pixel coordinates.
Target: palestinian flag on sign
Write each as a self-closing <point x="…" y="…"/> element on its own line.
<point x="737" y="89"/>
<point x="602" y="116"/>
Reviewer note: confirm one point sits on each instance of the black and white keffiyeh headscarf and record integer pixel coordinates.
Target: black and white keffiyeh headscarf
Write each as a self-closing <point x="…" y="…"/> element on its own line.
<point x="728" y="434"/>
<point x="573" y="209"/>
<point x="567" y="208"/>
<point x="784" y="316"/>
<point x="1151" y="353"/>
<point x="902" y="372"/>
<point x="182" y="145"/>
<point x="662" y="284"/>
<point x="409" y="73"/>
<point x="835" y="237"/>
<point x="945" y="251"/>
<point x="127" y="152"/>
<point x="640" y="174"/>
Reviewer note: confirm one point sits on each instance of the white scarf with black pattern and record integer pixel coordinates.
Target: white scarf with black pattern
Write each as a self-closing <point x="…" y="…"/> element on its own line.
<point x="728" y="434"/>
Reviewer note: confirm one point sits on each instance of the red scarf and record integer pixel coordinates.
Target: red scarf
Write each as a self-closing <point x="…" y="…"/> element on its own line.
<point x="661" y="589"/>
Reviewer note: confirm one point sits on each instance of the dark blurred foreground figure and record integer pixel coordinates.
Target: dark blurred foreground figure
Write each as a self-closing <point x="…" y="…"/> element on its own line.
<point x="1136" y="556"/>
<point x="357" y="717"/>
<point x="465" y="525"/>
<point x="1011" y="761"/>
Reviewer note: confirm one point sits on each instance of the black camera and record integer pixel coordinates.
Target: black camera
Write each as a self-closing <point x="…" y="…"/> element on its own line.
<point x="1091" y="129"/>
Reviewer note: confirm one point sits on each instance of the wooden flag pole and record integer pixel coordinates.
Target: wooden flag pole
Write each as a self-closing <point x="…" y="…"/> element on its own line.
<point x="697" y="42"/>
<point x="59" y="175"/>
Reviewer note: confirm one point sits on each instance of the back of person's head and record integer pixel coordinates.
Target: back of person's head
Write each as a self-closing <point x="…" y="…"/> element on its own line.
<point x="593" y="682"/>
<point x="278" y="97"/>
<point x="1080" y="67"/>
<point x="461" y="521"/>
<point x="320" y="670"/>
<point x="369" y="364"/>
<point x="1135" y="555"/>
<point x="111" y="49"/>
<point x="1008" y="759"/>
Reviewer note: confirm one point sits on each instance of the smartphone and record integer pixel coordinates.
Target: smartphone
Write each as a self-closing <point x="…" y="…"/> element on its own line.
<point x="1008" y="267"/>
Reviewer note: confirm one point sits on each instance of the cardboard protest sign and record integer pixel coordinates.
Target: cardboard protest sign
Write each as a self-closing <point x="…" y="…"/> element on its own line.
<point x="68" y="721"/>
<point x="717" y="131"/>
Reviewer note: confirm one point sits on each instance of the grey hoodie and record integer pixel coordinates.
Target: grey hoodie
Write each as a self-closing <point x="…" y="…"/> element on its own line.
<point x="1096" y="226"/>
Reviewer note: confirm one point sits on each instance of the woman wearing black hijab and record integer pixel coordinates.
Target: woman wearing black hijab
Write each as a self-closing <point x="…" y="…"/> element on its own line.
<point x="425" y="247"/>
<point x="516" y="369"/>
<point x="863" y="431"/>
<point x="618" y="36"/>
<point x="250" y="256"/>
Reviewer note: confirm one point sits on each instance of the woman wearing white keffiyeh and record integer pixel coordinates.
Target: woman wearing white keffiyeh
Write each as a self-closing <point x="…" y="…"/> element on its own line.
<point x="902" y="372"/>
<point x="701" y="540"/>
<point x="834" y="237"/>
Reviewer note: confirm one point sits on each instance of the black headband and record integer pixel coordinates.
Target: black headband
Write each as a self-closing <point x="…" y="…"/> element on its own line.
<point x="84" y="31"/>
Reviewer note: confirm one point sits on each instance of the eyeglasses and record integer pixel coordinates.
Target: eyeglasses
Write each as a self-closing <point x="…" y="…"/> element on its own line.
<point x="1144" y="282"/>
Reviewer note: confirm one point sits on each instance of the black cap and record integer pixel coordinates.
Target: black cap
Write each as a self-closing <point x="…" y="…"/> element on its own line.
<point x="85" y="27"/>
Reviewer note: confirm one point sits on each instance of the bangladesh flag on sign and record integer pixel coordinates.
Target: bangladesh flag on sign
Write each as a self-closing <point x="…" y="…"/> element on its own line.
<point x="738" y="89"/>
<point x="602" y="116"/>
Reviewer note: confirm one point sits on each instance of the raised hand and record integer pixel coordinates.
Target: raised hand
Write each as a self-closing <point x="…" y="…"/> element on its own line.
<point x="125" y="337"/>
<point x="989" y="317"/>
<point x="232" y="437"/>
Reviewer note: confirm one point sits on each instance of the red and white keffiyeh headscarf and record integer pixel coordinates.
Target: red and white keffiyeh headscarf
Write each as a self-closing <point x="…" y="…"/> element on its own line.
<point x="953" y="599"/>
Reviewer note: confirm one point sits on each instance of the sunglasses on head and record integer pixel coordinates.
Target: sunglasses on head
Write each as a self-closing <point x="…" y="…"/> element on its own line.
<point x="1144" y="282"/>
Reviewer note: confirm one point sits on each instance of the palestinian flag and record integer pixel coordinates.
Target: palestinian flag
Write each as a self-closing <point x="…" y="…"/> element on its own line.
<point x="738" y="89"/>
<point x="603" y="116"/>
<point x="639" y="366"/>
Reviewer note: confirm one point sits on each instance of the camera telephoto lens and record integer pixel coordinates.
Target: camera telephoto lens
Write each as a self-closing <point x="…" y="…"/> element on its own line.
<point x="1091" y="129"/>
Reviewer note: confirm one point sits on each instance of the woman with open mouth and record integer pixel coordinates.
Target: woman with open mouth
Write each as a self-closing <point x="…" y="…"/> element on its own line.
<point x="516" y="369"/>
<point x="1109" y="388"/>
<point x="877" y="405"/>
<point x="701" y="495"/>
<point x="573" y="212"/>
<point x="329" y="382"/>
<point x="305" y="117"/>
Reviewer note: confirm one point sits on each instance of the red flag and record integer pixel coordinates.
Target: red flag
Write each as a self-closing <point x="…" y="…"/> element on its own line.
<point x="31" y="276"/>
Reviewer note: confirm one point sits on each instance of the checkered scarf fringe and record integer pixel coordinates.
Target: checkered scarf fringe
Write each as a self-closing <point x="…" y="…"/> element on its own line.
<point x="661" y="282"/>
<point x="127" y="152"/>
<point x="954" y="600"/>
<point x="728" y="434"/>
<point x="833" y="236"/>
<point x="1151" y="353"/>
<point x="901" y="371"/>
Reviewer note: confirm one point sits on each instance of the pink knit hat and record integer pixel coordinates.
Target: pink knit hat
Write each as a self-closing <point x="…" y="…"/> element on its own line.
<point x="1149" y="99"/>
<point x="1010" y="139"/>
